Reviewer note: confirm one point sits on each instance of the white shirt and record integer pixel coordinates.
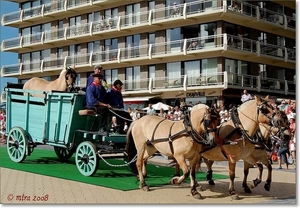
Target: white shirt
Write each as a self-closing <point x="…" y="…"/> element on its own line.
<point x="151" y="111"/>
<point x="246" y="97"/>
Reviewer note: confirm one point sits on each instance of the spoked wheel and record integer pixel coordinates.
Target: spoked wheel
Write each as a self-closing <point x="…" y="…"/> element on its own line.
<point x="86" y="158"/>
<point x="63" y="153"/>
<point x="17" y="142"/>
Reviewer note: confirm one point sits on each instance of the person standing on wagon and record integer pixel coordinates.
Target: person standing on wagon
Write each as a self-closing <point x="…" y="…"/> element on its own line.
<point x="96" y="100"/>
<point x="97" y="70"/>
<point x="115" y="99"/>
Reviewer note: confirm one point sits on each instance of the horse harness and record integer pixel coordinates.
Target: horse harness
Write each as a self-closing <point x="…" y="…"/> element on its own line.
<point x="188" y="130"/>
<point x="237" y="123"/>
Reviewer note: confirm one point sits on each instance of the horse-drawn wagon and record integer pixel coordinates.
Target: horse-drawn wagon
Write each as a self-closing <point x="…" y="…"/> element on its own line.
<point x="58" y="119"/>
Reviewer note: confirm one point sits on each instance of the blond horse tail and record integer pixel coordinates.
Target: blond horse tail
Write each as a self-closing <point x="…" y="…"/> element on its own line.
<point x="131" y="149"/>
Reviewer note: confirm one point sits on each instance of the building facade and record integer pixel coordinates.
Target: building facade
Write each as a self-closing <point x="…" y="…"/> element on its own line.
<point x="163" y="50"/>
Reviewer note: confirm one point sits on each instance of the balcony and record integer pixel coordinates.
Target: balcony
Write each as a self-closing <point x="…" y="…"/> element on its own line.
<point x="55" y="10"/>
<point x="222" y="45"/>
<point x="197" y="12"/>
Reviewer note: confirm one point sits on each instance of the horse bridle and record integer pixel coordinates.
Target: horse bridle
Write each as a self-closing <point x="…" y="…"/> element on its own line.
<point x="72" y="73"/>
<point x="200" y="139"/>
<point x="262" y="109"/>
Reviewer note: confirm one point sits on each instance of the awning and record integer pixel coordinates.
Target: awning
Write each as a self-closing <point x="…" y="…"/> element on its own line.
<point x="135" y="99"/>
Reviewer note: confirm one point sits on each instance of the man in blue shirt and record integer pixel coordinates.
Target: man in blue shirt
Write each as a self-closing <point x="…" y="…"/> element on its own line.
<point x="115" y="99"/>
<point x="96" y="99"/>
<point x="97" y="70"/>
<point x="115" y="96"/>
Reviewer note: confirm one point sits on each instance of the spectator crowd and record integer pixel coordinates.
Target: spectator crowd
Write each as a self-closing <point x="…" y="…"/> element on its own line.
<point x="2" y="126"/>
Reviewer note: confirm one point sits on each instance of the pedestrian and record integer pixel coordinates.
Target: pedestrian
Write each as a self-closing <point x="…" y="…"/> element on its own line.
<point x="246" y="96"/>
<point x="151" y="110"/>
<point x="282" y="153"/>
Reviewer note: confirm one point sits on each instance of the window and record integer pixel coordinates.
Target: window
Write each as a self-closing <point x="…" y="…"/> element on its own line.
<point x="74" y="24"/>
<point x="133" y="77"/>
<point x="60" y="58"/>
<point x="132" y="46"/>
<point x="111" y="49"/>
<point x="74" y="52"/>
<point x="173" y="39"/>
<point x="151" y="40"/>
<point x="174" y="73"/>
<point x="60" y="29"/>
<point x="192" y="70"/>
<point x="111" y="75"/>
<point x="207" y="31"/>
<point x="45" y="54"/>
<point x="26" y="35"/>
<point x="47" y="29"/>
<point x="94" y="17"/>
<point x="133" y="14"/>
<point x="151" y="74"/>
<point x="95" y="48"/>
<point x="36" y="34"/>
<point x="25" y="61"/>
<point x="111" y="16"/>
<point x="209" y="66"/>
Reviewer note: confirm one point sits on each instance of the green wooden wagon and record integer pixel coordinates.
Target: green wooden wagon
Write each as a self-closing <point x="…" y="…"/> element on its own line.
<point x="59" y="120"/>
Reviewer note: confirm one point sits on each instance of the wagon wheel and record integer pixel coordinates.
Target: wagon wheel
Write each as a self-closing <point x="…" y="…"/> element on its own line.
<point x="86" y="158"/>
<point x="17" y="142"/>
<point x="63" y="153"/>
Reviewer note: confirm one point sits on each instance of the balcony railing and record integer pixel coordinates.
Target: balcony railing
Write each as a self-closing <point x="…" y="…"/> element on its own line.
<point x="159" y="50"/>
<point x="148" y="17"/>
<point x="186" y="10"/>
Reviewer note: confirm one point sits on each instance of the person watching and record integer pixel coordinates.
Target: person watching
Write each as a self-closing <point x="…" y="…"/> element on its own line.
<point x="246" y="96"/>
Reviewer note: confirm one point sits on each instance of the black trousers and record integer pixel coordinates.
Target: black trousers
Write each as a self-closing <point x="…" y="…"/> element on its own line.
<point x="104" y="112"/>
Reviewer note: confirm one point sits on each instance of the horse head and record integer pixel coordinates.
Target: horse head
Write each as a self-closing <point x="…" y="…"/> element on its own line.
<point x="202" y="122"/>
<point x="275" y="116"/>
<point x="70" y="78"/>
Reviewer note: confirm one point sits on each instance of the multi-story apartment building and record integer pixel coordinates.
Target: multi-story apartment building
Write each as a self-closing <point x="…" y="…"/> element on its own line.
<point x="194" y="50"/>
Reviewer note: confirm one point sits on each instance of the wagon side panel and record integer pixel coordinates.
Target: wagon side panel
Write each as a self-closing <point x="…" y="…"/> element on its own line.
<point x="62" y="117"/>
<point x="25" y="112"/>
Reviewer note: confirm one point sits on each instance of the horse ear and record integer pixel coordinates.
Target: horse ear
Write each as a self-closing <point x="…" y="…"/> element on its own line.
<point x="257" y="98"/>
<point x="267" y="97"/>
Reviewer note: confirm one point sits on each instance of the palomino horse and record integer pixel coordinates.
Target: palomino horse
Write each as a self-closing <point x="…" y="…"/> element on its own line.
<point x="235" y="137"/>
<point x="65" y="82"/>
<point x="179" y="139"/>
<point x="265" y="145"/>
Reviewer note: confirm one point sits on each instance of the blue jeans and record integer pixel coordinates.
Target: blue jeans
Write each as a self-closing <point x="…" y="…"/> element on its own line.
<point x="282" y="153"/>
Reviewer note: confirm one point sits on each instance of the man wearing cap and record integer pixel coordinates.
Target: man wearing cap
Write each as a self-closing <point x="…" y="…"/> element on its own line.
<point x="96" y="99"/>
<point x="115" y="99"/>
<point x="97" y="70"/>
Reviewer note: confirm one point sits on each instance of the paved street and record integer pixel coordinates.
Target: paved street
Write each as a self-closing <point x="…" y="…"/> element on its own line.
<point x="34" y="188"/>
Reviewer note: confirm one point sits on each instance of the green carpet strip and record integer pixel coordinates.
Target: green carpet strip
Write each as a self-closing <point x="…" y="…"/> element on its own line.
<point x="45" y="162"/>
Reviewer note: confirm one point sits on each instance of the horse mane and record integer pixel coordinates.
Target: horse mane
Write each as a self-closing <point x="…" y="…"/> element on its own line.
<point x="198" y="106"/>
<point x="246" y="104"/>
<point x="71" y="71"/>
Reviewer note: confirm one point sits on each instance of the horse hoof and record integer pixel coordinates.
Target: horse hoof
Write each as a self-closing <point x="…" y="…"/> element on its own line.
<point x="211" y="182"/>
<point x="145" y="188"/>
<point x="174" y="181"/>
<point x="200" y="188"/>
<point x="247" y="190"/>
<point x="235" y="197"/>
<point x="197" y="196"/>
<point x="267" y="187"/>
